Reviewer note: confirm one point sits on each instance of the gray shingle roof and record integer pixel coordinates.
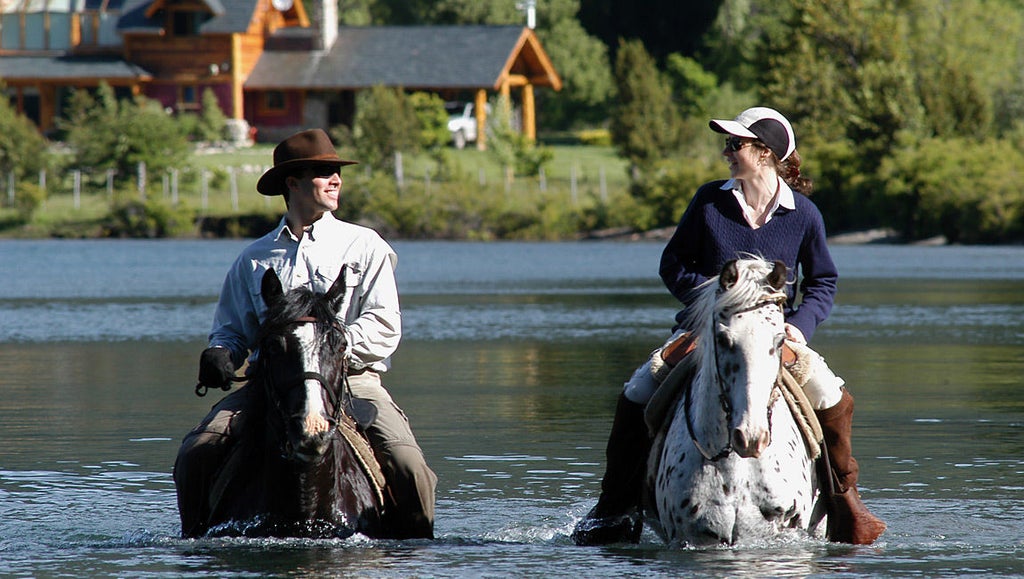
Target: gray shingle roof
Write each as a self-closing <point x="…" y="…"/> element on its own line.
<point x="68" y="67"/>
<point x="415" y="57"/>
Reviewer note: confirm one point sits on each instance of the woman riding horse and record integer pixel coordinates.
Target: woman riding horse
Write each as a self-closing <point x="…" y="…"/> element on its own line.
<point x="762" y="210"/>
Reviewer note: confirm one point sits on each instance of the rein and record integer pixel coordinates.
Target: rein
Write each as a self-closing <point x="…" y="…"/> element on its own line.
<point x="723" y="399"/>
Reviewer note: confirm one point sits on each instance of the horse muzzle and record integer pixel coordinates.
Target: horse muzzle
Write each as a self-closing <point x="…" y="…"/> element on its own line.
<point x="309" y="439"/>
<point x="750" y="446"/>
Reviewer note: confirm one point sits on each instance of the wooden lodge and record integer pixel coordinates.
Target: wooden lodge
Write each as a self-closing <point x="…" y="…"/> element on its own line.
<point x="274" y="68"/>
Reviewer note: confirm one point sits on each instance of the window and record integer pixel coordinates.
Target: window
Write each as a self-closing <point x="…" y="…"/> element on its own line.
<point x="274" y="100"/>
<point x="188" y="98"/>
<point x="185" y="23"/>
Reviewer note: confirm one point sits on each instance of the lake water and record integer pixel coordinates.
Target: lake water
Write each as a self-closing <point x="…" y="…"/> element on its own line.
<point x="512" y="359"/>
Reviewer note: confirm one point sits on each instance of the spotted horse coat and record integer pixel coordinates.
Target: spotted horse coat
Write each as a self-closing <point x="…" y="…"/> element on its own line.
<point x="730" y="465"/>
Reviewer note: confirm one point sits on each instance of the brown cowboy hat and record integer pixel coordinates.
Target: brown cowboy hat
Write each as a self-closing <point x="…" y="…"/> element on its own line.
<point x="310" y="148"/>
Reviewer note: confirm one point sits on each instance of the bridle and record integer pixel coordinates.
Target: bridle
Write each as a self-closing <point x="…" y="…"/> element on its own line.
<point x="723" y="398"/>
<point x="338" y="403"/>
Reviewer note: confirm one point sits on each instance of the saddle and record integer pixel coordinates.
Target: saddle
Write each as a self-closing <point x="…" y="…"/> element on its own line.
<point x="792" y="376"/>
<point x="364" y="453"/>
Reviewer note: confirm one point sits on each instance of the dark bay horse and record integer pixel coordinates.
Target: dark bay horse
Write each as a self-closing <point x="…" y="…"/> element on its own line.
<point x="293" y="471"/>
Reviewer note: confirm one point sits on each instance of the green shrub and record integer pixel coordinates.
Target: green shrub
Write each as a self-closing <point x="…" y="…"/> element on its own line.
<point x="149" y="219"/>
<point x="29" y="197"/>
<point x="596" y="137"/>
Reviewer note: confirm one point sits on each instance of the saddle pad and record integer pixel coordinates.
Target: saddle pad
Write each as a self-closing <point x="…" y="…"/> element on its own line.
<point x="656" y="414"/>
<point x="361" y="447"/>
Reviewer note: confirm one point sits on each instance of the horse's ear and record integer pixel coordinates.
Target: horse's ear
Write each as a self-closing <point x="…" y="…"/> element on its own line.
<point x="270" y="287"/>
<point x="336" y="294"/>
<point x="729" y="275"/>
<point x="777" y="278"/>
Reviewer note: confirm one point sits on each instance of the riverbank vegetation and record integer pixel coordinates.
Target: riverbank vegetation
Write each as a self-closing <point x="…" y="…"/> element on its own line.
<point x="908" y="116"/>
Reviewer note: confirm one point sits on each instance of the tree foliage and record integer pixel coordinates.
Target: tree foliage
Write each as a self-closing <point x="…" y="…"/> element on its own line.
<point x="23" y="151"/>
<point x="645" y="124"/>
<point x="388" y="121"/>
<point x="119" y="135"/>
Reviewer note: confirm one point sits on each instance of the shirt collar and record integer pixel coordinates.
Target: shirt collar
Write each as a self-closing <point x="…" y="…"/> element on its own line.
<point x="784" y="199"/>
<point x="285" y="232"/>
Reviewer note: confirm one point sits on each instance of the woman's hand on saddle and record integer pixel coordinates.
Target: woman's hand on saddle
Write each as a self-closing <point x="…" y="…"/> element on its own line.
<point x="794" y="334"/>
<point x="216" y="368"/>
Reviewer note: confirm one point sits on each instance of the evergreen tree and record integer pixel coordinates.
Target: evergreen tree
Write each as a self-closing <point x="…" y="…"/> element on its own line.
<point x="212" y="119"/>
<point x="645" y="126"/>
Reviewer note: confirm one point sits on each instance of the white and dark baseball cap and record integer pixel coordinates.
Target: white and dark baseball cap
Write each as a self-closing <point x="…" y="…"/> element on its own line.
<point x="762" y="123"/>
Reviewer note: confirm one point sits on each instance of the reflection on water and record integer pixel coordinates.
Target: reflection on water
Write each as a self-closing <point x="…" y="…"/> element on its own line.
<point x="513" y="357"/>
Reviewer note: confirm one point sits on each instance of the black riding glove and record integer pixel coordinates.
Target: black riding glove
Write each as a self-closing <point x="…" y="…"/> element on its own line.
<point x="216" y="368"/>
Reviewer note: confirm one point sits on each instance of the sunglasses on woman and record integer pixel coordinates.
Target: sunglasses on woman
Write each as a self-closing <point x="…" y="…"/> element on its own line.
<point x="733" y="144"/>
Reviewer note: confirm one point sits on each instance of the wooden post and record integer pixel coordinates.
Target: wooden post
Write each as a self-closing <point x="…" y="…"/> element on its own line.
<point x="529" y="114"/>
<point x="77" y="188"/>
<point x="204" y="190"/>
<point x="141" y="175"/>
<point x="234" y="189"/>
<point x="480" y="112"/>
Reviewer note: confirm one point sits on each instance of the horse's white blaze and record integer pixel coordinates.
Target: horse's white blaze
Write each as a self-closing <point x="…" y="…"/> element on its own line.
<point x="314" y="420"/>
<point x="739" y="495"/>
<point x="755" y="336"/>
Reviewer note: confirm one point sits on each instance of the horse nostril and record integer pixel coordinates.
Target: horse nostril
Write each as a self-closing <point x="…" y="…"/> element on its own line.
<point x="749" y="448"/>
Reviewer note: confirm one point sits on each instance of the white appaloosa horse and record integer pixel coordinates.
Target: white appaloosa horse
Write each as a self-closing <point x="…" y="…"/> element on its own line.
<point x="731" y="466"/>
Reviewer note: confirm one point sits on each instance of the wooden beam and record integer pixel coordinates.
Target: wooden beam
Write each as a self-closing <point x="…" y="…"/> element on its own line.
<point x="529" y="114"/>
<point x="480" y="112"/>
<point x="47" y="106"/>
<point x="237" y="79"/>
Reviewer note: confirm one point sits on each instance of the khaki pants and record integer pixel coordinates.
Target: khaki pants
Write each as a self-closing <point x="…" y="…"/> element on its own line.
<point x="409" y="504"/>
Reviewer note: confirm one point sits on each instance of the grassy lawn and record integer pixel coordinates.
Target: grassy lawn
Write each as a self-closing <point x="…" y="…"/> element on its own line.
<point x="577" y="173"/>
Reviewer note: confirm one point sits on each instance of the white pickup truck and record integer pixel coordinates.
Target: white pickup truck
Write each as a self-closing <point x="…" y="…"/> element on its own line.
<point x="461" y="123"/>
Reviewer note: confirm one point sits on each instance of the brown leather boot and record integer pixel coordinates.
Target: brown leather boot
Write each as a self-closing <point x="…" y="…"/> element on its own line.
<point x="617" y="517"/>
<point x="849" y="520"/>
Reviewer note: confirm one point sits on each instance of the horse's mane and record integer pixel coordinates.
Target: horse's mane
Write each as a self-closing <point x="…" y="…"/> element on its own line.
<point x="298" y="303"/>
<point x="708" y="299"/>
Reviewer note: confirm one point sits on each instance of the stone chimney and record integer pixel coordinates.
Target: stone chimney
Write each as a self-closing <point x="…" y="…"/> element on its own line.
<point x="325" y="21"/>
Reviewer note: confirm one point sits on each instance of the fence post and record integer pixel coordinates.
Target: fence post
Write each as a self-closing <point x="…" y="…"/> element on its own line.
<point x="110" y="183"/>
<point x="572" y="183"/>
<point x="10" y="186"/>
<point x="42" y="180"/>
<point x="399" y="170"/>
<point x="204" y="189"/>
<point x="141" y="176"/>
<point x="174" y="187"/>
<point x="234" y="189"/>
<point x="77" y="188"/>
<point x="604" y="186"/>
<point x="543" y="180"/>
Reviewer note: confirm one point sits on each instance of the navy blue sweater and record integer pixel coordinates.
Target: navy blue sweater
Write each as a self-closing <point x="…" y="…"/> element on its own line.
<point x="712" y="231"/>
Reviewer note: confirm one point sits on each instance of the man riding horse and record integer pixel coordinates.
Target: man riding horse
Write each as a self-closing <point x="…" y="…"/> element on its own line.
<point x="310" y="248"/>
